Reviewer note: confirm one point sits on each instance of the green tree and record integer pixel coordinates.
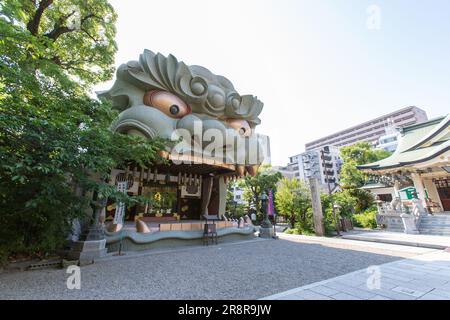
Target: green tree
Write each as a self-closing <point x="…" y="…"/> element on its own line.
<point x="265" y="179"/>
<point x="352" y="199"/>
<point x="354" y="155"/>
<point x="232" y="207"/>
<point x="293" y="200"/>
<point x="56" y="148"/>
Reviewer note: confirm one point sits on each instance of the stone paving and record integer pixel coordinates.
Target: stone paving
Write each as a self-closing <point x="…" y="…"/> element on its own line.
<point x="419" y="240"/>
<point x="423" y="277"/>
<point x="243" y="270"/>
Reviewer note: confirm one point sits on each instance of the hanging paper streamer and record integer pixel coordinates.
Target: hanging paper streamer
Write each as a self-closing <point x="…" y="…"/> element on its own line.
<point x="270" y="207"/>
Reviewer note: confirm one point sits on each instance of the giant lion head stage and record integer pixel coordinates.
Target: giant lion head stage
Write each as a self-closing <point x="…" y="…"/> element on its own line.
<point x="213" y="129"/>
<point x="161" y="96"/>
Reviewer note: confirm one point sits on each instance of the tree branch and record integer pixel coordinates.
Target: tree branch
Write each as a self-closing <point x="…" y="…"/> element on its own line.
<point x="60" y="29"/>
<point x="33" y="24"/>
<point x="89" y="35"/>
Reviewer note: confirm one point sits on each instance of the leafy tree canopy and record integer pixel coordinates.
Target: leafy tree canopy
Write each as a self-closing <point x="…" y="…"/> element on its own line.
<point x="293" y="199"/>
<point x="265" y="179"/>
<point x="55" y="143"/>
<point x="354" y="155"/>
<point x="63" y="37"/>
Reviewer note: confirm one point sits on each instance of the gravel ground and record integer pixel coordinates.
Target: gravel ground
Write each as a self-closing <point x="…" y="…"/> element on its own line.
<point x="244" y="270"/>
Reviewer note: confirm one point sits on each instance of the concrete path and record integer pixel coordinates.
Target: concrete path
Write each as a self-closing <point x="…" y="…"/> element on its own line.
<point x="357" y="245"/>
<point x="241" y="270"/>
<point x="417" y="240"/>
<point x="423" y="277"/>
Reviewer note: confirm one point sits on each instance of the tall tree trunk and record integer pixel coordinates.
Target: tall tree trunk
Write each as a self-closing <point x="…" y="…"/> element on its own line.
<point x="292" y="220"/>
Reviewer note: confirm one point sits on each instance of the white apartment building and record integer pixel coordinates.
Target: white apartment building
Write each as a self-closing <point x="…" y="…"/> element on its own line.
<point x="371" y="130"/>
<point x="238" y="193"/>
<point x="389" y="140"/>
<point x="323" y="163"/>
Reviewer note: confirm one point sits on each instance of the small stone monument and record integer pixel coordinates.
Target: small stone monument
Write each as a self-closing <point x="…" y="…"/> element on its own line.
<point x="92" y="243"/>
<point x="409" y="223"/>
<point x="418" y="209"/>
<point x="396" y="204"/>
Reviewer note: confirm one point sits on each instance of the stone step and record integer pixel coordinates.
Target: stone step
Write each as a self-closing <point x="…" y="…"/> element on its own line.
<point x="432" y="224"/>
<point x="435" y="233"/>
<point x="436" y="217"/>
<point x="427" y="226"/>
<point x="434" y="221"/>
<point x="444" y="232"/>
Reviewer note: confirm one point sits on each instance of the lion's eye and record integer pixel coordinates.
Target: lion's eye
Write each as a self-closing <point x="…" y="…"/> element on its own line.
<point x="241" y="126"/>
<point x="166" y="102"/>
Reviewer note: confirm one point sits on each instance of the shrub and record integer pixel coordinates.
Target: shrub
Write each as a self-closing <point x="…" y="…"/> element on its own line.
<point x="367" y="219"/>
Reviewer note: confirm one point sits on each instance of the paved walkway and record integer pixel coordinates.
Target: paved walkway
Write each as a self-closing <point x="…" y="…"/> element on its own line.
<point x="423" y="277"/>
<point x="241" y="270"/>
<point x="417" y="240"/>
<point x="357" y="245"/>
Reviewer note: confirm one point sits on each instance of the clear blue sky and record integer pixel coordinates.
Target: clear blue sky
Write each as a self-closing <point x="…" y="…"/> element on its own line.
<point x="315" y="64"/>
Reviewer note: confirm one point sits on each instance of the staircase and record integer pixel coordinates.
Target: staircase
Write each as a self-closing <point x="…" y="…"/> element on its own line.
<point x="438" y="224"/>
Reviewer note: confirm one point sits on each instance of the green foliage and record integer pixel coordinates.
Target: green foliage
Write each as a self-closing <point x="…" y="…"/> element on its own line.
<point x="354" y="155"/>
<point x="351" y="199"/>
<point x="253" y="187"/>
<point x="329" y="220"/>
<point x="366" y="219"/>
<point x="233" y="209"/>
<point x="74" y="36"/>
<point x="293" y="200"/>
<point x="56" y="148"/>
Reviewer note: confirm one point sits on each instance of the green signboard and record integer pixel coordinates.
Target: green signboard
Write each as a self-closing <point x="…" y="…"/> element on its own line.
<point x="407" y="193"/>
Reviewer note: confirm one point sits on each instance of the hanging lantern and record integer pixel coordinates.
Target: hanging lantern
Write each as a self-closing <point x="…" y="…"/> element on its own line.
<point x="121" y="177"/>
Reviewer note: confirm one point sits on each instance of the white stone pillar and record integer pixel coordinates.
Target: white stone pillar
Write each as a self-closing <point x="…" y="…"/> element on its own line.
<point x="397" y="188"/>
<point x="420" y="189"/>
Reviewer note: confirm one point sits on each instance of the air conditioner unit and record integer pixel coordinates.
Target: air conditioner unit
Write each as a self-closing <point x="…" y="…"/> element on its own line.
<point x="191" y="191"/>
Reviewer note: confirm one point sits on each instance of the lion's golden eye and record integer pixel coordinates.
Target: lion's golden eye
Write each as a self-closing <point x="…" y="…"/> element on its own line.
<point x="166" y="102"/>
<point x="241" y="126"/>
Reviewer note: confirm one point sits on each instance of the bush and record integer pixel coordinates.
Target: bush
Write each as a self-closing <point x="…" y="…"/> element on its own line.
<point x="305" y="227"/>
<point x="299" y="230"/>
<point x="367" y="219"/>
